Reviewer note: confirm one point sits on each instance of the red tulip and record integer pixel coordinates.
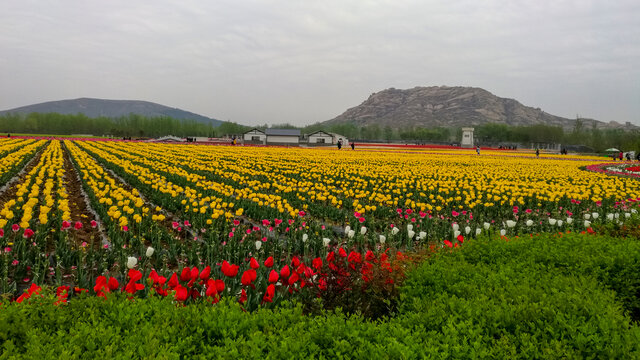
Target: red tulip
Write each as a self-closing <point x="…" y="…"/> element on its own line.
<point x="295" y="262"/>
<point x="285" y="272"/>
<point x="331" y="256"/>
<point x="354" y="257"/>
<point x="448" y="243"/>
<point x="113" y="284"/>
<point x="194" y="273"/>
<point x="27" y="233"/>
<point x="205" y="273"/>
<point x="62" y="292"/>
<point x="186" y="274"/>
<point x="460" y="238"/>
<point x="211" y="288"/>
<point x="243" y="297"/>
<point x="370" y="256"/>
<point x="293" y="278"/>
<point x="182" y="294"/>
<point x="78" y="225"/>
<point x="269" y="294"/>
<point x="229" y="270"/>
<point x="317" y="263"/>
<point x="273" y="276"/>
<point x="269" y="262"/>
<point x="153" y="275"/>
<point x="253" y="263"/>
<point x="219" y="286"/>
<point x="173" y="281"/>
<point x="248" y="277"/>
<point x="342" y="252"/>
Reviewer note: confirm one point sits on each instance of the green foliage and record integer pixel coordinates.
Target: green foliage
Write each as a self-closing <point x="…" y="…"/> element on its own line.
<point x="549" y="296"/>
<point x="545" y="297"/>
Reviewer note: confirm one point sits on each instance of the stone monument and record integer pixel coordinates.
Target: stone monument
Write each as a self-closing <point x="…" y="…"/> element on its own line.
<point x="467" y="138"/>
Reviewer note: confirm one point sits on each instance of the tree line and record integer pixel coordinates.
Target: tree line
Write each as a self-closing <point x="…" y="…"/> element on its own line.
<point x="139" y="126"/>
<point x="132" y="125"/>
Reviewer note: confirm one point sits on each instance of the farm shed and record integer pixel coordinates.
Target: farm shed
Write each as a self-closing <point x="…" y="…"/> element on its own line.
<point x="254" y="136"/>
<point x="283" y="136"/>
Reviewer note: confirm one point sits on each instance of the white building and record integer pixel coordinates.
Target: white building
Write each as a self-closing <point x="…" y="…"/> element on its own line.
<point x="254" y="136"/>
<point x="320" y="138"/>
<point x="338" y="137"/>
<point x="283" y="136"/>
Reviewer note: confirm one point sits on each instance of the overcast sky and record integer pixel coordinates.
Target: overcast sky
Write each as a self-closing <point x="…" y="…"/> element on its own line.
<point x="256" y="62"/>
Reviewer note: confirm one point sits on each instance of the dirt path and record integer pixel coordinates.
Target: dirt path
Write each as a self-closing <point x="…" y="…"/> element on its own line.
<point x="79" y="207"/>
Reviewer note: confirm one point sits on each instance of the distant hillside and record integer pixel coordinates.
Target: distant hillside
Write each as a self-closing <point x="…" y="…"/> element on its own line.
<point x="94" y="108"/>
<point x="451" y="107"/>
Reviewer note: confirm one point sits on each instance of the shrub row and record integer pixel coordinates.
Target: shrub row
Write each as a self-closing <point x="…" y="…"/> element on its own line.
<point x="544" y="297"/>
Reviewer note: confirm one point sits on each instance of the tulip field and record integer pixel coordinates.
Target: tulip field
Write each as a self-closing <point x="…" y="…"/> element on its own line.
<point x="261" y="225"/>
<point x="150" y="250"/>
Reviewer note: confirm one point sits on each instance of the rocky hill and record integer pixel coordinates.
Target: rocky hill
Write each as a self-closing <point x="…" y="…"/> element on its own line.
<point x="94" y="108"/>
<point x="451" y="107"/>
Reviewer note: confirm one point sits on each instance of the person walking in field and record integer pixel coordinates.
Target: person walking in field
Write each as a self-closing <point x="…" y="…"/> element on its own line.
<point x="478" y="149"/>
<point x="620" y="156"/>
<point x="339" y="144"/>
<point x="353" y="146"/>
<point x="537" y="152"/>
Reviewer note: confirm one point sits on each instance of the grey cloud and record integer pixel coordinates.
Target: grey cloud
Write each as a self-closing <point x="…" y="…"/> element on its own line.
<point x="301" y="62"/>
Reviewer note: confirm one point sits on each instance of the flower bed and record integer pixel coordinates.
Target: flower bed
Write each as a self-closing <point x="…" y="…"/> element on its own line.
<point x="164" y="208"/>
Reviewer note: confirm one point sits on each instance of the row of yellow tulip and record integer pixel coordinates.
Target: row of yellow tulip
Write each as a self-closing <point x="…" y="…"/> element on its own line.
<point x="189" y="199"/>
<point x="16" y="152"/>
<point x="365" y="181"/>
<point x="124" y="207"/>
<point x="41" y="189"/>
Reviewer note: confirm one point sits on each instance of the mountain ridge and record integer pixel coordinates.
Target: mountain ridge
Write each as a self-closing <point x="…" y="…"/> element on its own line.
<point x="93" y="108"/>
<point x="449" y="106"/>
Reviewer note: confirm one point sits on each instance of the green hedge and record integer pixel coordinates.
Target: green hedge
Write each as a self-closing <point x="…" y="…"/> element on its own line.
<point x="546" y="297"/>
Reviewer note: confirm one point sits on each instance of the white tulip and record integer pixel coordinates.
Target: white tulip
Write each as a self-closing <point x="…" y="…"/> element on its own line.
<point x="363" y="230"/>
<point x="511" y="223"/>
<point x="627" y="215"/>
<point x="422" y="235"/>
<point x="529" y="222"/>
<point x="326" y="241"/>
<point x="305" y="237"/>
<point x="411" y="234"/>
<point x="595" y="215"/>
<point x="467" y="229"/>
<point x="150" y="251"/>
<point x="478" y="231"/>
<point x="409" y="227"/>
<point x="587" y="223"/>
<point x="559" y="222"/>
<point x="587" y="216"/>
<point x="610" y="217"/>
<point x="383" y="239"/>
<point x="456" y="233"/>
<point x="351" y="234"/>
<point x="394" y="231"/>
<point x="131" y="262"/>
<point x="258" y="244"/>
<point x="552" y="221"/>
<point x="347" y="229"/>
<point x="634" y="211"/>
<point x="569" y="220"/>
<point x="455" y="227"/>
<point x="503" y="232"/>
<point x="486" y="225"/>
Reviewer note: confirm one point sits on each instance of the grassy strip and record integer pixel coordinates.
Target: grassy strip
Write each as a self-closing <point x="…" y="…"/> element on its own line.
<point x="543" y="297"/>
